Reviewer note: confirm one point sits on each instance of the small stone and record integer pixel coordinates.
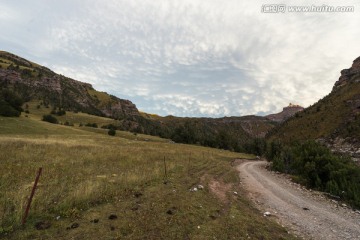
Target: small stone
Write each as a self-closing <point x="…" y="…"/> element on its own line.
<point x="57" y="218"/>
<point x="344" y="205"/>
<point x="138" y="194"/>
<point x="235" y="193"/>
<point x="135" y="208"/>
<point x="112" y="217"/>
<point x="42" y="225"/>
<point x="212" y="217"/>
<point x="200" y="187"/>
<point x="267" y="214"/>
<point x="74" y="225"/>
<point x="194" y="189"/>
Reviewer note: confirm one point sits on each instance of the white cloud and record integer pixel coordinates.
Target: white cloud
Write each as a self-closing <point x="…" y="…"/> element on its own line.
<point x="188" y="58"/>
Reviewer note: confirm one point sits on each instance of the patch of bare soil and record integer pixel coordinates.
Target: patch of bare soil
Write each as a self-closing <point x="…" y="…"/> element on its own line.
<point x="220" y="189"/>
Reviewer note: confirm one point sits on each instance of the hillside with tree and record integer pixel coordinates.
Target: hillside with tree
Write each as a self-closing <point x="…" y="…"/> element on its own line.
<point x="334" y="120"/>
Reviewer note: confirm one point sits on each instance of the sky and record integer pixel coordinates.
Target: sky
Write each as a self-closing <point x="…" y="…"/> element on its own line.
<point x="194" y="58"/>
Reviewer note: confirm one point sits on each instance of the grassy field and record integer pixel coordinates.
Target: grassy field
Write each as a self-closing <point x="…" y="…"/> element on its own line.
<point x="88" y="175"/>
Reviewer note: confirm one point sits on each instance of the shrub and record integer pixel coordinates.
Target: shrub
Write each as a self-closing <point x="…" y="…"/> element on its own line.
<point x="112" y="132"/>
<point x="50" y="118"/>
<point x="94" y="125"/>
<point x="10" y="104"/>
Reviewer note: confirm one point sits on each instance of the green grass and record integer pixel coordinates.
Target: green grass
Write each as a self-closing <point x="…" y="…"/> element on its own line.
<point x="329" y="115"/>
<point x="71" y="117"/>
<point x="88" y="174"/>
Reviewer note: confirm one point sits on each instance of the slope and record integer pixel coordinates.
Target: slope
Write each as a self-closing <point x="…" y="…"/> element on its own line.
<point x="333" y="120"/>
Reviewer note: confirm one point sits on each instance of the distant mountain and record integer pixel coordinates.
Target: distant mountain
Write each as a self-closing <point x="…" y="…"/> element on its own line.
<point x="333" y="120"/>
<point x="286" y="113"/>
<point x="32" y="81"/>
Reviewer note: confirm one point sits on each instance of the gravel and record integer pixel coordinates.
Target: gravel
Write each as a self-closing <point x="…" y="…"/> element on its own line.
<point x="307" y="214"/>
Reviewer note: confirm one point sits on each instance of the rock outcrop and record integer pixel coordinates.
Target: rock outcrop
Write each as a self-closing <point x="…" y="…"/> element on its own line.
<point x="286" y="113"/>
<point x="349" y="75"/>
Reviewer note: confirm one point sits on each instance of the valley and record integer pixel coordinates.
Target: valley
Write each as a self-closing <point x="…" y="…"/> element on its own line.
<point x="168" y="177"/>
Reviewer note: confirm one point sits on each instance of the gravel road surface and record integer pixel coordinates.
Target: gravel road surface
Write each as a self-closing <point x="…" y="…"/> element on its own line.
<point x="307" y="214"/>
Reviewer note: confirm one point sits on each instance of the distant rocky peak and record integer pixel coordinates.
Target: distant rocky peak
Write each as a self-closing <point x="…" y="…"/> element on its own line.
<point x="293" y="106"/>
<point x="286" y="113"/>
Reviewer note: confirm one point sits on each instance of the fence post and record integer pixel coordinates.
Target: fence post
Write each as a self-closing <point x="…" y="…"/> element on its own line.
<point x="31" y="196"/>
<point x="165" y="181"/>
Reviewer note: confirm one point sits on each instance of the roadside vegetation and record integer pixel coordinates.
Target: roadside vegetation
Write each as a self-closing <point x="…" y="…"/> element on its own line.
<point x="316" y="167"/>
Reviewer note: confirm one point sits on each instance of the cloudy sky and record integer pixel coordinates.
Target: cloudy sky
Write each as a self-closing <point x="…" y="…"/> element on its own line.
<point x="188" y="57"/>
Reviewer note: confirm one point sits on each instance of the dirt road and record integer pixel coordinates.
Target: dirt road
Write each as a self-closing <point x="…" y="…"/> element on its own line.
<point x="305" y="213"/>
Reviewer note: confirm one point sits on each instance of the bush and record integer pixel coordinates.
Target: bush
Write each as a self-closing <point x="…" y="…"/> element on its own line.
<point x="10" y="104"/>
<point x="314" y="165"/>
<point x="7" y="110"/>
<point x="112" y="132"/>
<point x="94" y="125"/>
<point x="50" y="118"/>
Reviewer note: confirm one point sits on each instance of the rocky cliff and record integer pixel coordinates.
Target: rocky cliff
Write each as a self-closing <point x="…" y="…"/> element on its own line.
<point x="349" y="75"/>
<point x="32" y="81"/>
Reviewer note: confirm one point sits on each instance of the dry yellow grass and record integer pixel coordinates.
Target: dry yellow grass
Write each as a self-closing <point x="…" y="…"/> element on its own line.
<point x="89" y="175"/>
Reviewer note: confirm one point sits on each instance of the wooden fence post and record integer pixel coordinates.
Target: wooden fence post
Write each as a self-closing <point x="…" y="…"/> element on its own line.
<point x="31" y="196"/>
<point x="165" y="181"/>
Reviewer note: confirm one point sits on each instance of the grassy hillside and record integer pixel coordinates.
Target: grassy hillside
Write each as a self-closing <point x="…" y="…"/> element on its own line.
<point x="334" y="115"/>
<point x="88" y="175"/>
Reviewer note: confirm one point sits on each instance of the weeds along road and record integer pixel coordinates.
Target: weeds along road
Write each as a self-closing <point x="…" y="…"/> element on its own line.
<point x="305" y="213"/>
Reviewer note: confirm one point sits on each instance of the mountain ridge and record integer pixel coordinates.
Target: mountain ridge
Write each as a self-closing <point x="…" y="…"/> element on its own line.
<point x="31" y="81"/>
